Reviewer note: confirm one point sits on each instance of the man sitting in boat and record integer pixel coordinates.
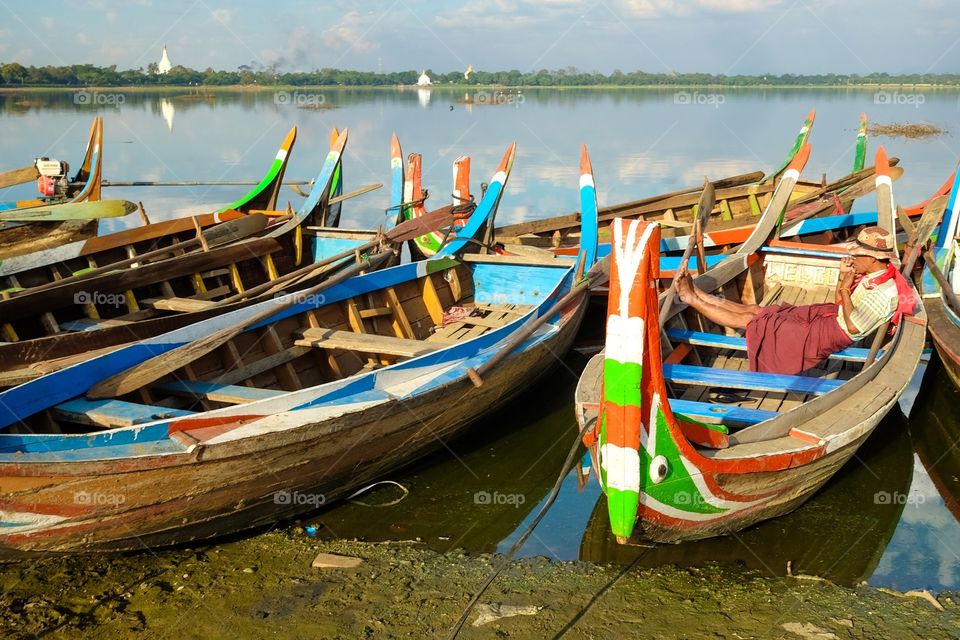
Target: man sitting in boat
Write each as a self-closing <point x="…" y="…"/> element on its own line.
<point x="789" y="339"/>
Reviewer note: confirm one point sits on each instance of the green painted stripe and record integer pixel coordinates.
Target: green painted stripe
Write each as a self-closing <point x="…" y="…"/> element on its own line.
<point x="622" y="510"/>
<point x="621" y="382"/>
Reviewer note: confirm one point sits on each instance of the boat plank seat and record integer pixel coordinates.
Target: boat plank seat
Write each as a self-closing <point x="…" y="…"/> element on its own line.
<point x="366" y="343"/>
<point x="737" y="343"/>
<point x="112" y="413"/>
<point x="184" y="305"/>
<point x="217" y="392"/>
<point x="90" y="324"/>
<point x="709" y="377"/>
<point x="731" y="415"/>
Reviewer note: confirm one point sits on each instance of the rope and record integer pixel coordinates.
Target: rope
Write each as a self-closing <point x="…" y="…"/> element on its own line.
<point x="356" y="493"/>
<point x="551" y="498"/>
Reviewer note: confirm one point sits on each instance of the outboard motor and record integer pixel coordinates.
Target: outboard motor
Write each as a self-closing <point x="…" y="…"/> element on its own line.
<point x="53" y="181"/>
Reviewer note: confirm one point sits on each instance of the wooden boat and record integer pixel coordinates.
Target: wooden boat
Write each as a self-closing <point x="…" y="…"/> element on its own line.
<point x="740" y="200"/>
<point x="676" y="466"/>
<point x="328" y="393"/>
<point x="20" y="238"/>
<point x="54" y="324"/>
<point x="462" y="206"/>
<point x="858" y="505"/>
<point x="942" y="310"/>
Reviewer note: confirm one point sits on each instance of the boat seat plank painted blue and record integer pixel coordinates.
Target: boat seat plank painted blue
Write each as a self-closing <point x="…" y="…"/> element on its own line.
<point x="703" y="339"/>
<point x="705" y="376"/>
<point x="228" y="393"/>
<point x="723" y="414"/>
<point x="112" y="413"/>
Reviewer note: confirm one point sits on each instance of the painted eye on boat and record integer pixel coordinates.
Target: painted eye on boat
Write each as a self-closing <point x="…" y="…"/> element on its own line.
<point x="658" y="469"/>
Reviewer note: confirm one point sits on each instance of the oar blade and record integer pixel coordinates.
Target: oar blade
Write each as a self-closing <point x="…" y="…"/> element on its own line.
<point x="91" y="210"/>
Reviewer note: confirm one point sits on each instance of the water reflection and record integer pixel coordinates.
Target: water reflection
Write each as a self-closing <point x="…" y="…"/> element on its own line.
<point x="840" y="534"/>
<point x="167" y="110"/>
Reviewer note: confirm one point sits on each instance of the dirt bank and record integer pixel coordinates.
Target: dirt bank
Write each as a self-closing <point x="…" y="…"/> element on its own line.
<point x="264" y="587"/>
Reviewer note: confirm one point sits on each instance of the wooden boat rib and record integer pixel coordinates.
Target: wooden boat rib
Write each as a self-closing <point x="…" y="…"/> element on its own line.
<point x="325" y="396"/>
<point x="20" y="238"/>
<point x="676" y="465"/>
<point x="944" y="318"/>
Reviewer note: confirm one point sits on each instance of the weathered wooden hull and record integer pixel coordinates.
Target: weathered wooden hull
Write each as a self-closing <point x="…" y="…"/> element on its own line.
<point x="40" y="236"/>
<point x="139" y="503"/>
<point x="946" y="338"/>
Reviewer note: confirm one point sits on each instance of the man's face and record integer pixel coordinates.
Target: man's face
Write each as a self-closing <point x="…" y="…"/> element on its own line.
<point x="865" y="264"/>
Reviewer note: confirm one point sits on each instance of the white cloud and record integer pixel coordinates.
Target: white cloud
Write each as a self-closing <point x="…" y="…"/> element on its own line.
<point x="351" y="33"/>
<point x="82" y="38"/>
<point x="223" y="15"/>
<point x="738" y="6"/>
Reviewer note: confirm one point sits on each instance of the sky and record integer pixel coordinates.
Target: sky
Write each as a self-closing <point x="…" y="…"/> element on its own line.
<point x="710" y="36"/>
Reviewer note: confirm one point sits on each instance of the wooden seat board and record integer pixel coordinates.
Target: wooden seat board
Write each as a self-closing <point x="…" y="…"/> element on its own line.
<point x="707" y="376"/>
<point x="218" y="392"/>
<point x="366" y="343"/>
<point x="112" y="413"/>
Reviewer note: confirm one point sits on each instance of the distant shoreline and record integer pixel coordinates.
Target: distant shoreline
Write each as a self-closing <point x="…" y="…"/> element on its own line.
<point x="203" y="89"/>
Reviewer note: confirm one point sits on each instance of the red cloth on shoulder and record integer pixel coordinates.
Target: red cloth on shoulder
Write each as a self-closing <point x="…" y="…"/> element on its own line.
<point x="787" y="339"/>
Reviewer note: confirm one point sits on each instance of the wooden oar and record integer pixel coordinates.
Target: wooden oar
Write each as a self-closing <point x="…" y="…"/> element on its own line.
<point x="946" y="287"/>
<point x="858" y="190"/>
<point x="923" y="230"/>
<point x="219" y="234"/>
<point x="579" y="289"/>
<point x="18" y="176"/>
<point x="91" y="210"/>
<point x="356" y="192"/>
<point x="183" y="183"/>
<point x="159" y="366"/>
<point x="707" y="200"/>
<point x="406" y="230"/>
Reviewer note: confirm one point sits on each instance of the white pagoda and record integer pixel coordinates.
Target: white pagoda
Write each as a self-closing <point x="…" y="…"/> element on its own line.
<point x="423" y="80"/>
<point x="164" y="65"/>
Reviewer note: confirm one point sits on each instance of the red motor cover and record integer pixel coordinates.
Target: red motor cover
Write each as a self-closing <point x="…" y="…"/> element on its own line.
<point x="47" y="186"/>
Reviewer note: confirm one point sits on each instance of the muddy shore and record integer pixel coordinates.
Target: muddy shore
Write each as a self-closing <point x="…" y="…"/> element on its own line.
<point x="264" y="587"/>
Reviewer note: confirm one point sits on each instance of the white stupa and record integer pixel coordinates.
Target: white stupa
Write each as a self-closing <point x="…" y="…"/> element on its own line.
<point x="164" y="65"/>
<point x="423" y="80"/>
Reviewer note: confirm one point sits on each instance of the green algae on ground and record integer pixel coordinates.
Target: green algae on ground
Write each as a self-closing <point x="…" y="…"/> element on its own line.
<point x="264" y="586"/>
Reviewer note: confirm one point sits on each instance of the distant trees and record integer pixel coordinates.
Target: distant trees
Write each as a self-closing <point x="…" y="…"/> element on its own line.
<point x="14" y="74"/>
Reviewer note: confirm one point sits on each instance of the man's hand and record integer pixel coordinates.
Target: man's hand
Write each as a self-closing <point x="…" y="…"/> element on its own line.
<point x="845" y="281"/>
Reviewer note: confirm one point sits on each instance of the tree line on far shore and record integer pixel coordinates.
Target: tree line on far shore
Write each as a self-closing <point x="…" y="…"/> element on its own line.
<point x="13" y="74"/>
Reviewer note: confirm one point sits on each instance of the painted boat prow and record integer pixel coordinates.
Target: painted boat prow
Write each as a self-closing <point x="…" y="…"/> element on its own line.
<point x="487" y="207"/>
<point x="798" y="144"/>
<point x="264" y="195"/>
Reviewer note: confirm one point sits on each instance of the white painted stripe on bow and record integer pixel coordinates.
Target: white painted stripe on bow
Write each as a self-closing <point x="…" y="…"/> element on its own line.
<point x="884" y="180"/>
<point x="791" y="174"/>
<point x="586" y="180"/>
<point x="622" y="467"/>
<point x="23" y="521"/>
<point x="625" y="339"/>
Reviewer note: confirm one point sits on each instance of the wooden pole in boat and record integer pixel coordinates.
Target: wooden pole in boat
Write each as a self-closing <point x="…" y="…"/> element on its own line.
<point x="180" y="183"/>
<point x="18" y="176"/>
<point x="946" y="287"/>
<point x="921" y="233"/>
<point x="707" y="199"/>
<point x="579" y="289"/>
<point x="155" y="368"/>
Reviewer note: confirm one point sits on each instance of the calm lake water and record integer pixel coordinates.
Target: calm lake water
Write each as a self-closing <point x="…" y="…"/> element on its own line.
<point x="890" y="517"/>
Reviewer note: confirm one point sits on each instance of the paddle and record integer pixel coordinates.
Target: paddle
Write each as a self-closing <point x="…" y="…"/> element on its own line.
<point x="223" y="233"/>
<point x="929" y="259"/>
<point x="406" y="230"/>
<point x="155" y="368"/>
<point x="923" y="229"/>
<point x="579" y="289"/>
<point x="90" y="210"/>
<point x="18" y="176"/>
<point x="707" y="200"/>
<point x="858" y="190"/>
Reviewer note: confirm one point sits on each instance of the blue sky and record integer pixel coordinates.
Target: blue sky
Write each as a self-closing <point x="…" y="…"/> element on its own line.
<point x="715" y="36"/>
